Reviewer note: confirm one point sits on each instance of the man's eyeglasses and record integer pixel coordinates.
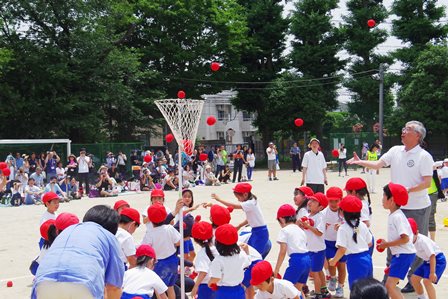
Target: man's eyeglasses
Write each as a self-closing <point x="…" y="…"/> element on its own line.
<point x="407" y="130"/>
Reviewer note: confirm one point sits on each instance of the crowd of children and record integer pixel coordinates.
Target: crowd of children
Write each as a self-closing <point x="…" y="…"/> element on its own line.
<point x="326" y="237"/>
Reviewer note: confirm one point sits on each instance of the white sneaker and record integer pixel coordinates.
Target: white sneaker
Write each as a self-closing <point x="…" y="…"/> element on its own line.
<point x="332" y="284"/>
<point x="339" y="293"/>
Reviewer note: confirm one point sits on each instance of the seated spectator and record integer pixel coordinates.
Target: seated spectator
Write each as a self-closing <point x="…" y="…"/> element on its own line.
<point x="160" y="171"/>
<point x="113" y="171"/>
<point x="71" y="187"/>
<point x="225" y="174"/>
<point x="104" y="184"/>
<point x="32" y="193"/>
<point x="170" y="182"/>
<point x="16" y="195"/>
<point x="38" y="177"/>
<point x="22" y="177"/>
<point x="53" y="186"/>
<point x="146" y="181"/>
<point x="60" y="171"/>
<point x="188" y="177"/>
<point x="210" y="179"/>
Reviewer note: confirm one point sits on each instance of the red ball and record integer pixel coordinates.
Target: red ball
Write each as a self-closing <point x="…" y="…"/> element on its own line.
<point x="147" y="158"/>
<point x="211" y="120"/>
<point x="188" y="147"/>
<point x="215" y="66"/>
<point x="203" y="157"/>
<point x="3" y="165"/>
<point x="387" y="270"/>
<point x="335" y="153"/>
<point x="181" y="94"/>
<point x="197" y="218"/>
<point x="371" y="23"/>
<point x="6" y="171"/>
<point x="298" y="122"/>
<point x="9" y="284"/>
<point x="169" y="138"/>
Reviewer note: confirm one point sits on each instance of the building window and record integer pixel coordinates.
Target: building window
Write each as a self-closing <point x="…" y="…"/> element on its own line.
<point x="220" y="135"/>
<point x="247" y="134"/>
<point x="247" y="116"/>
<point x="223" y="112"/>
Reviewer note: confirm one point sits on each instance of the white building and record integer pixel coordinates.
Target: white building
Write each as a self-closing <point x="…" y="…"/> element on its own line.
<point x="233" y="126"/>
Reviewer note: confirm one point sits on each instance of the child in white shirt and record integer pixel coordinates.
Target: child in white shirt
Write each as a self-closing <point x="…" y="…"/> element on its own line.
<point x="129" y="221"/>
<point x="399" y="237"/>
<point x="301" y="201"/>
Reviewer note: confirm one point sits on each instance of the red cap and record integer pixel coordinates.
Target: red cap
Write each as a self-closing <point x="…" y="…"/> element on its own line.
<point x="322" y="199"/>
<point x="351" y="204"/>
<point x="157" y="213"/>
<point x="261" y="272"/>
<point x="158" y="193"/>
<point x="334" y="193"/>
<point x="64" y="220"/>
<point x="413" y="225"/>
<point x="44" y="228"/>
<point x="285" y="210"/>
<point x="399" y="193"/>
<point x="306" y="190"/>
<point x="219" y="215"/>
<point x="226" y="234"/>
<point x="355" y="184"/>
<point x="202" y="231"/>
<point x="132" y="214"/>
<point x="120" y="204"/>
<point x="242" y="188"/>
<point x="49" y="196"/>
<point x="145" y="250"/>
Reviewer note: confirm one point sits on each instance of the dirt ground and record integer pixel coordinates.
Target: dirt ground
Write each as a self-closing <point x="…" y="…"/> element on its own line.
<point x="20" y="226"/>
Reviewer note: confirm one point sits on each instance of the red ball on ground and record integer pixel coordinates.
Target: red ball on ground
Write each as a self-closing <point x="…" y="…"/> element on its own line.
<point x="147" y="158"/>
<point x="203" y="157"/>
<point x="215" y="66"/>
<point x="181" y="94"/>
<point x="6" y="171"/>
<point x="9" y="284"/>
<point x="298" y="122"/>
<point x="169" y="138"/>
<point x="335" y="153"/>
<point x="371" y="23"/>
<point x="211" y="120"/>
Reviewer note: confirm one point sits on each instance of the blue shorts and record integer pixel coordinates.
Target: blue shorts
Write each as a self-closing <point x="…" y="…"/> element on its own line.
<point x="444" y="184"/>
<point x="204" y="292"/>
<point x="167" y="270"/>
<point x="424" y="269"/>
<point x="267" y="249"/>
<point x="331" y="249"/>
<point x="188" y="247"/>
<point x="132" y="296"/>
<point x="259" y="238"/>
<point x="359" y="265"/>
<point x="248" y="275"/>
<point x="41" y="243"/>
<point x="298" y="268"/>
<point x="400" y="264"/>
<point x="236" y="292"/>
<point x="317" y="260"/>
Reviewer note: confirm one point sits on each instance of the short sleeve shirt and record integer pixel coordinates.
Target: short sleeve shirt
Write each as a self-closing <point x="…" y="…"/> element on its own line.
<point x="143" y="281"/>
<point x="127" y="244"/>
<point x="398" y="225"/>
<point x="271" y="153"/>
<point x="162" y="239"/>
<point x="315" y="164"/>
<point x="316" y="243"/>
<point x="283" y="289"/>
<point x="229" y="269"/>
<point x="331" y="219"/>
<point x="426" y="247"/>
<point x="345" y="238"/>
<point x="202" y="262"/>
<point x="294" y="237"/>
<point x="253" y="212"/>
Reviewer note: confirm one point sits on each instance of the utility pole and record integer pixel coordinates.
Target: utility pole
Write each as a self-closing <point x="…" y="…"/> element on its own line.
<point x="381" y="100"/>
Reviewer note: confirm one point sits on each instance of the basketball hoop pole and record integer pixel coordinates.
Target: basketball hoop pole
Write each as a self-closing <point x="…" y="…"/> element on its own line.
<point x="181" y="216"/>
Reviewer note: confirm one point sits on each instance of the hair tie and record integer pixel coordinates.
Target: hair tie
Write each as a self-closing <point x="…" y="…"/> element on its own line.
<point x="356" y="230"/>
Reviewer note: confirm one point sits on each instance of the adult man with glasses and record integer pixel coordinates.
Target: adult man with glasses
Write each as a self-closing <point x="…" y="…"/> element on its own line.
<point x="411" y="166"/>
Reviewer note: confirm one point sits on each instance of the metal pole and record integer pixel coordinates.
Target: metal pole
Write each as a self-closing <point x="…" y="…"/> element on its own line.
<point x="181" y="219"/>
<point x="381" y="100"/>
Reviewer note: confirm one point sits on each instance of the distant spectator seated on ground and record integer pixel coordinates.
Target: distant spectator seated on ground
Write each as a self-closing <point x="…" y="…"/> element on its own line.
<point x="224" y="175"/>
<point x="170" y="181"/>
<point x="146" y="181"/>
<point x="38" y="177"/>
<point x="32" y="193"/>
<point x="71" y="187"/>
<point x="104" y="185"/>
<point x="209" y="176"/>
<point x="53" y="186"/>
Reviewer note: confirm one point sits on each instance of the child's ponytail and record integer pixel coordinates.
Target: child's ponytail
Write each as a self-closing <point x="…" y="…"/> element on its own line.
<point x="208" y="251"/>
<point x="364" y="192"/>
<point x="349" y="217"/>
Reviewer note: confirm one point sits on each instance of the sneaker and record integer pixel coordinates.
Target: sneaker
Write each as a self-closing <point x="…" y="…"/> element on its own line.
<point x="270" y="179"/>
<point x="332" y="284"/>
<point x="325" y="294"/>
<point x="327" y="277"/>
<point x="275" y="179"/>
<point x="339" y="292"/>
<point x="408" y="288"/>
<point x="305" y="290"/>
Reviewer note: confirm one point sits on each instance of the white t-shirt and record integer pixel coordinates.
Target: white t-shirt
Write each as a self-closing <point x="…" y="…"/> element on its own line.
<point x="408" y="169"/>
<point x="443" y="172"/>
<point x="60" y="172"/>
<point x="149" y="224"/>
<point x="398" y="225"/>
<point x="302" y="213"/>
<point x="83" y="164"/>
<point x="143" y="281"/>
<point x="315" y="164"/>
<point x="283" y="289"/>
<point x="253" y="212"/>
<point x="162" y="239"/>
<point x="229" y="269"/>
<point x="47" y="216"/>
<point x="342" y="153"/>
<point x="127" y="244"/>
<point x="345" y="238"/>
<point x="251" y="159"/>
<point x="271" y="154"/>
<point x="331" y="218"/>
<point x="314" y="242"/>
<point x="426" y="247"/>
<point x="294" y="237"/>
<point x="365" y="211"/>
<point x="202" y="262"/>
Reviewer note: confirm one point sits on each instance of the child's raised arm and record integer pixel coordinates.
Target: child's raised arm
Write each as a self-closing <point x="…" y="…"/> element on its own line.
<point x="226" y="203"/>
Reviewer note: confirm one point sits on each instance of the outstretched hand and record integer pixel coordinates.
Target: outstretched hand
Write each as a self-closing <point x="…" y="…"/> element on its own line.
<point x="354" y="160"/>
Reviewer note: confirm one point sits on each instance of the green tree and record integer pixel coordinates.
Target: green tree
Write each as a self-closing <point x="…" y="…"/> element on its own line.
<point x="261" y="60"/>
<point x="361" y="42"/>
<point x="315" y="47"/>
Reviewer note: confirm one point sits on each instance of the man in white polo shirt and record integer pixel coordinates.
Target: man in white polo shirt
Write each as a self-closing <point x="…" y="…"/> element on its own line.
<point x="411" y="166"/>
<point x="314" y="167"/>
<point x="271" y="151"/>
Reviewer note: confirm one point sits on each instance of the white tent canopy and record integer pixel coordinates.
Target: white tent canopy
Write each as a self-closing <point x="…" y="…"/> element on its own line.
<point x="39" y="141"/>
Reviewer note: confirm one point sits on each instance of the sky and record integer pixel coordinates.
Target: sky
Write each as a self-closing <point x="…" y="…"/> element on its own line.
<point x="389" y="45"/>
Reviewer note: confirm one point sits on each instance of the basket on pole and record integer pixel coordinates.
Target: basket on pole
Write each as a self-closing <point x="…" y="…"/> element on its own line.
<point x="182" y="116"/>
